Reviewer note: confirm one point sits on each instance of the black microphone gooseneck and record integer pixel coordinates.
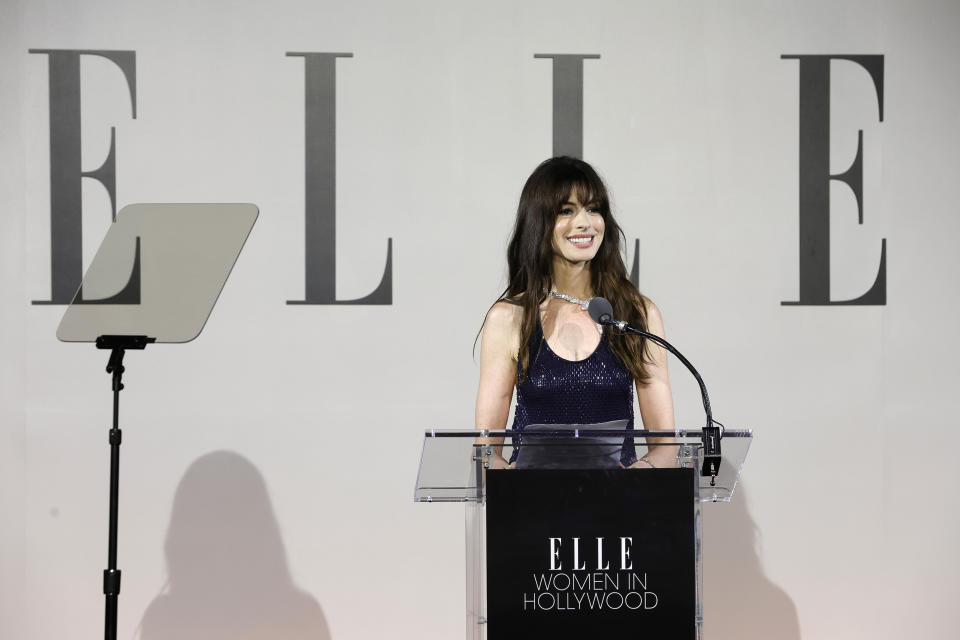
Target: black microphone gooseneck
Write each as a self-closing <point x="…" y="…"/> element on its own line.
<point x="601" y="311"/>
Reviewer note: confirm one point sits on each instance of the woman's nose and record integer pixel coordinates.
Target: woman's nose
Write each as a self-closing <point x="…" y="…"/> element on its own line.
<point x="582" y="220"/>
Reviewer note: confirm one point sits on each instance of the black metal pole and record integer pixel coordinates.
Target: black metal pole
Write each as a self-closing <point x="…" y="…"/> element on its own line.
<point x="111" y="576"/>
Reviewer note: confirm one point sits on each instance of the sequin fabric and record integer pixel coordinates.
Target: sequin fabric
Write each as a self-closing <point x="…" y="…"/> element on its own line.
<point x="596" y="389"/>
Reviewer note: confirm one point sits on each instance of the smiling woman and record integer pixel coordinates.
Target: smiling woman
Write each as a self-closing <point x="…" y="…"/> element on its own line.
<point x="578" y="232"/>
<point x="565" y="249"/>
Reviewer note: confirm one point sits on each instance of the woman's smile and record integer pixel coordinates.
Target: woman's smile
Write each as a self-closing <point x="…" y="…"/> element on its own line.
<point x="578" y="230"/>
<point x="581" y="241"/>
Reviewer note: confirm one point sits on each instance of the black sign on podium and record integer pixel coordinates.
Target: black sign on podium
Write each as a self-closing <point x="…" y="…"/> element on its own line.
<point x="577" y="552"/>
<point x="571" y="552"/>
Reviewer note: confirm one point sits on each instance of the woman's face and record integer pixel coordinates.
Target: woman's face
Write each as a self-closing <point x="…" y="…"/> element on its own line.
<point x="578" y="231"/>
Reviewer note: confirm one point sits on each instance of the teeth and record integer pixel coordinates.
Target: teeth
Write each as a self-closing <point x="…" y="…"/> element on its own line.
<point x="580" y="240"/>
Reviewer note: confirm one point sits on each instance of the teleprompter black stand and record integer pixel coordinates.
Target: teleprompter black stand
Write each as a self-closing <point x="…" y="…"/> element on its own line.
<point x="155" y="278"/>
<point x="111" y="575"/>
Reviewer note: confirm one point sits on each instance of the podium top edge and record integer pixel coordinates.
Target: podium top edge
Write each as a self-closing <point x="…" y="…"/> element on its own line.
<point x="634" y="433"/>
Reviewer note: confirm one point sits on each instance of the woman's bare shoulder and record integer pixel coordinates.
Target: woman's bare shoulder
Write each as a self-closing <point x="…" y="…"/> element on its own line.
<point x="649" y="306"/>
<point x="652" y="312"/>
<point x="503" y="317"/>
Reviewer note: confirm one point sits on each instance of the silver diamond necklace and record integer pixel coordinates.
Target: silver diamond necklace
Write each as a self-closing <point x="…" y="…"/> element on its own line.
<point x="583" y="304"/>
<point x="562" y="296"/>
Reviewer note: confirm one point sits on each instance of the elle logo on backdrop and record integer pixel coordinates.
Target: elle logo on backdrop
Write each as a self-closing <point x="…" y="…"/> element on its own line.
<point x="587" y="585"/>
<point x="66" y="173"/>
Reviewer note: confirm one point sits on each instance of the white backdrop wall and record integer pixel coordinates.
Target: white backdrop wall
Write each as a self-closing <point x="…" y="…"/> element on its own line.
<point x="268" y="466"/>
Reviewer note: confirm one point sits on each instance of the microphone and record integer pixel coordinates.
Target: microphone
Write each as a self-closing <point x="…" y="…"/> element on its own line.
<point x="601" y="311"/>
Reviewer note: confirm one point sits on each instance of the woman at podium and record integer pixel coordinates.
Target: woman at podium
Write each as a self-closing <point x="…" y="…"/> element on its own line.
<point x="538" y="337"/>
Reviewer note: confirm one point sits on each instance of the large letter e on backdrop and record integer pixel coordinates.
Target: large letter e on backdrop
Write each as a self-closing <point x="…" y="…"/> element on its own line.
<point x="815" y="180"/>
<point x="66" y="203"/>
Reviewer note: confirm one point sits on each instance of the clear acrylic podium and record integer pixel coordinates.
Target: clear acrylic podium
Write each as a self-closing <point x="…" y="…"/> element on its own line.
<point x="454" y="467"/>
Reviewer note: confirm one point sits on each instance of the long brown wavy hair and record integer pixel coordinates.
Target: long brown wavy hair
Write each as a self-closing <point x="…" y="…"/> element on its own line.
<point x="530" y="258"/>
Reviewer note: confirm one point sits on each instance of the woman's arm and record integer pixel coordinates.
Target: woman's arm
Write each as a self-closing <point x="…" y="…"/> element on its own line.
<point x="498" y="371"/>
<point x="655" y="396"/>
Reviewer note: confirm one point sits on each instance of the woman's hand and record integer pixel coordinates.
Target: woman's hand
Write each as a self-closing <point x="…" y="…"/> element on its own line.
<point x="497" y="461"/>
<point x="642" y="463"/>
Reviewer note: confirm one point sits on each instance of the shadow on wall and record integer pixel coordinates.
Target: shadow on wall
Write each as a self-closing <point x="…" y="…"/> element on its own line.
<point x="740" y="602"/>
<point x="226" y="565"/>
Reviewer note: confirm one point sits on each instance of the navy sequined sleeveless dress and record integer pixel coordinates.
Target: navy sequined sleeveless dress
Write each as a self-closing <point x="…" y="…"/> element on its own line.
<point x="597" y="389"/>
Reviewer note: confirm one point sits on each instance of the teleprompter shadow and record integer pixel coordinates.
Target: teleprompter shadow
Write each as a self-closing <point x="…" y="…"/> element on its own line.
<point x="740" y="601"/>
<point x="227" y="569"/>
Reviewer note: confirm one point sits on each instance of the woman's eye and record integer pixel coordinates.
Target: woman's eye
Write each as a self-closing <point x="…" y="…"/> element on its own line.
<point x="566" y="211"/>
